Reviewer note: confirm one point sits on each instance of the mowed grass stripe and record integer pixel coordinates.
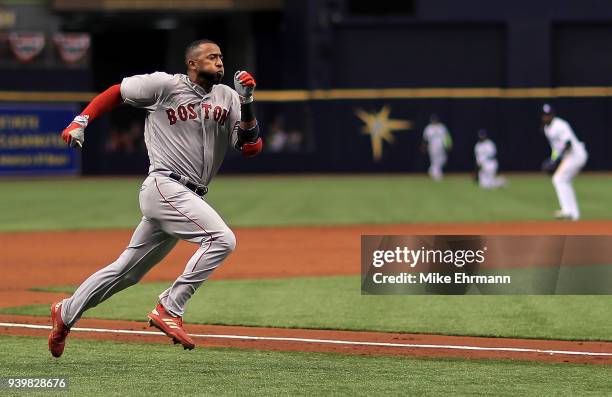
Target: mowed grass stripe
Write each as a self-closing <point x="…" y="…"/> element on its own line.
<point x="69" y="204"/>
<point x="336" y="303"/>
<point x="109" y="368"/>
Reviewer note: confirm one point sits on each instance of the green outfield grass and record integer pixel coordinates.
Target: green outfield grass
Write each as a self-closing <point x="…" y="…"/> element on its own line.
<point x="119" y="369"/>
<point x="301" y="200"/>
<point x="336" y="303"/>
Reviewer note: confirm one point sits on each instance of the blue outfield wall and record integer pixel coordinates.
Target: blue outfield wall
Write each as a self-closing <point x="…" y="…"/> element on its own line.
<point x="333" y="136"/>
<point x="30" y="143"/>
<point x="335" y="141"/>
<point x="321" y="47"/>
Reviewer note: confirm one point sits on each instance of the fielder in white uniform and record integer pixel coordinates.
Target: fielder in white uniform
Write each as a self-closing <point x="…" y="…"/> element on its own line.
<point x="191" y="121"/>
<point x="571" y="156"/>
<point x="438" y="141"/>
<point x="485" y="152"/>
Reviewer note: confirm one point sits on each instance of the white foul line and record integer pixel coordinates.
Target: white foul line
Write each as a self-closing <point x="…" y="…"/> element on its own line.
<point x="323" y="341"/>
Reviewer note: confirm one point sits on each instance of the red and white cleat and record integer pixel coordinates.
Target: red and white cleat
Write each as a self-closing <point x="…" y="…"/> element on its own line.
<point x="171" y="326"/>
<point x="59" y="332"/>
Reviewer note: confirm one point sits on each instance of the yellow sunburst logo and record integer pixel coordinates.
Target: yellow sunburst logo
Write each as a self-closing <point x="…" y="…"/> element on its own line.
<point x="380" y="128"/>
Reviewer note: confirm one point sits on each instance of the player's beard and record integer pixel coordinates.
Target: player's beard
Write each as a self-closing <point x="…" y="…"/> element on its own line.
<point x="211" y="78"/>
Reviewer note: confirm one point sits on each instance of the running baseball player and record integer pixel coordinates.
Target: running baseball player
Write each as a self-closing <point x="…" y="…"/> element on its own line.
<point x="438" y="141"/>
<point x="568" y="156"/>
<point x="485" y="152"/>
<point x="191" y="120"/>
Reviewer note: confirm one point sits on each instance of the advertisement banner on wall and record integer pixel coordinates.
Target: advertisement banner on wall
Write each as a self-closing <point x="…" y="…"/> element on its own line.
<point x="30" y="143"/>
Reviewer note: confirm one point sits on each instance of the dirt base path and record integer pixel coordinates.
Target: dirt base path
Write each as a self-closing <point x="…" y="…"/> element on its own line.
<point x="59" y="258"/>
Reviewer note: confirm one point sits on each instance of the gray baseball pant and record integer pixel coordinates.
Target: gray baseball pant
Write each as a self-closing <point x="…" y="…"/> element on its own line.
<point x="170" y="212"/>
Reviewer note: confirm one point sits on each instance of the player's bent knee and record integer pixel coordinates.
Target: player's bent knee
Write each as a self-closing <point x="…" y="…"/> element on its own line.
<point x="558" y="179"/>
<point x="227" y="240"/>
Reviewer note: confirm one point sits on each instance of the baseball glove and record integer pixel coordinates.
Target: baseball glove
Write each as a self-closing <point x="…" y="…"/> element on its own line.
<point x="550" y="166"/>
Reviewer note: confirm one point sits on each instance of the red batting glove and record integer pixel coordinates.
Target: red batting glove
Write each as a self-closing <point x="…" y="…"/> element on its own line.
<point x="247" y="80"/>
<point x="244" y="84"/>
<point x="74" y="134"/>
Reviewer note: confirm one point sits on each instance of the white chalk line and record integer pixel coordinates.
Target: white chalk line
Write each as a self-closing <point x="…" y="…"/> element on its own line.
<point x="323" y="341"/>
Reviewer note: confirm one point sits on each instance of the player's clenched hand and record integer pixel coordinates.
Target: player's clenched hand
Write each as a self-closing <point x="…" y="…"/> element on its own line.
<point x="74" y="134"/>
<point x="244" y="84"/>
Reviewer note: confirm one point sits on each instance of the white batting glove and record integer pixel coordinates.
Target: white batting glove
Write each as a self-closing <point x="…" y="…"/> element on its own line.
<point x="244" y="85"/>
<point x="74" y="134"/>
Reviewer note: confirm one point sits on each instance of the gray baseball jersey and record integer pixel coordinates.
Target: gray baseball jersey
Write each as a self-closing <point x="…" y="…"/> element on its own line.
<point x="187" y="130"/>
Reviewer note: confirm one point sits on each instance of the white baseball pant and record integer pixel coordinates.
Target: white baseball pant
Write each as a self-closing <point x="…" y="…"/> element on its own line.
<point x="487" y="175"/>
<point x="437" y="159"/>
<point x="572" y="163"/>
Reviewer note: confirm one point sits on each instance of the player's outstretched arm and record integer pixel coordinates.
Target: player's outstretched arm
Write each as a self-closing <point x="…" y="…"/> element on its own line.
<point x="74" y="134"/>
<point x="249" y="142"/>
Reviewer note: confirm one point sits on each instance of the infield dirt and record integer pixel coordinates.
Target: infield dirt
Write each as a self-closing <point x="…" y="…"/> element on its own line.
<point x="37" y="259"/>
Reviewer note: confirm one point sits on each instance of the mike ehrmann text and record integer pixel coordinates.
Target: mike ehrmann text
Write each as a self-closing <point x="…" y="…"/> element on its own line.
<point x="437" y="278"/>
